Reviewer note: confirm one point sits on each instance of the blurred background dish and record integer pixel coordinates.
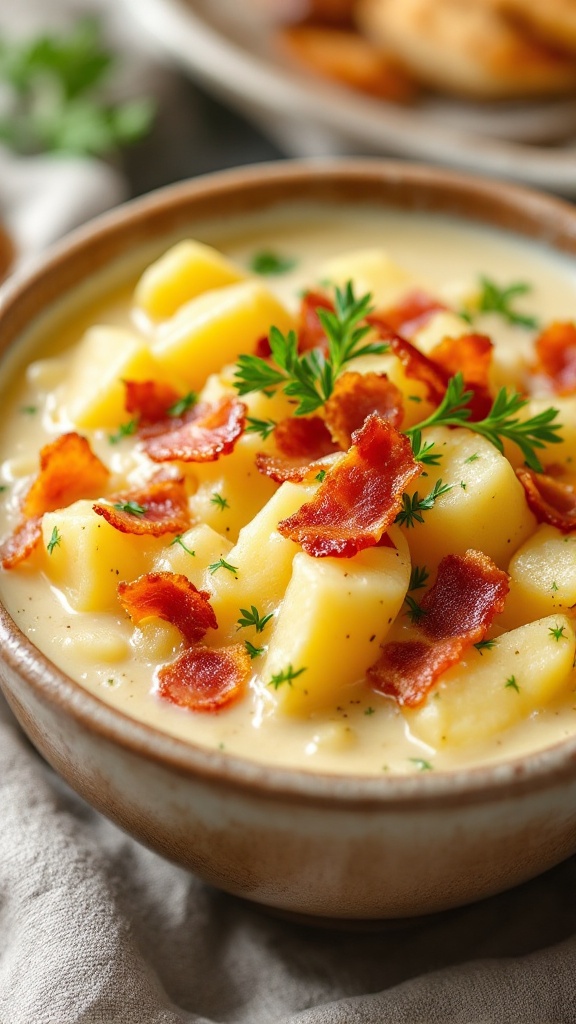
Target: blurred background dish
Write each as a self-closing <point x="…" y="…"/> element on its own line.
<point x="247" y="59"/>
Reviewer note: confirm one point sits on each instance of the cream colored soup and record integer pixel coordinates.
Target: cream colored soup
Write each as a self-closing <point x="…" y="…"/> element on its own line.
<point x="350" y="729"/>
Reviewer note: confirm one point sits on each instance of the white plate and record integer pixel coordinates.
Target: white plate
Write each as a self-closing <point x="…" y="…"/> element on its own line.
<point x="227" y="47"/>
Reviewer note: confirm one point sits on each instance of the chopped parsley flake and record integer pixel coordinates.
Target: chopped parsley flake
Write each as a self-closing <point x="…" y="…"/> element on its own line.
<point x="221" y="564"/>
<point x="178" y="540"/>
<point x="269" y="263"/>
<point x="124" y="430"/>
<point x="484" y="645"/>
<point x="253" y="651"/>
<point x="320" y="475"/>
<point x="29" y="410"/>
<point x="285" y="676"/>
<point x="132" y="507"/>
<point x="557" y="632"/>
<point x="414" y="610"/>
<point x="262" y="427"/>
<point x="511" y="684"/>
<point x="54" y="541"/>
<point x="418" y="577"/>
<point x="252" y="617"/>
<point x="183" y="404"/>
<point x="421" y="764"/>
<point x="218" y="500"/>
<point x="413" y="506"/>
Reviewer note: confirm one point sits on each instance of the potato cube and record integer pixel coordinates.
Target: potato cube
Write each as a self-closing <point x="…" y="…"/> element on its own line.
<point x="262" y="559"/>
<point x="443" y="324"/>
<point x="93" y="394"/>
<point x="561" y="454"/>
<point x="215" y="328"/>
<point x="370" y="270"/>
<point x="484" y="509"/>
<point x="188" y="269"/>
<point x="543" y="578"/>
<point x="501" y="687"/>
<point x="336" y="613"/>
<point x="190" y="553"/>
<point x="90" y="558"/>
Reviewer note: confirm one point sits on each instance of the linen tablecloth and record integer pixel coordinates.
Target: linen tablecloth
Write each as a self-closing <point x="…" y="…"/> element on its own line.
<point x="95" y="929"/>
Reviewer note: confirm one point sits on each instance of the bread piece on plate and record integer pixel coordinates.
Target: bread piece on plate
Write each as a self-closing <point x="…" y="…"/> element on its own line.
<point x="552" y="21"/>
<point x="467" y="47"/>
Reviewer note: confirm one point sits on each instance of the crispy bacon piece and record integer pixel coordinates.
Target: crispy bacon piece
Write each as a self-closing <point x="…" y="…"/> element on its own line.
<point x="203" y="434"/>
<point x="360" y="496"/>
<point x="552" y="500"/>
<point x="165" y="506"/>
<point x="411" y="313"/>
<point x="20" y="545"/>
<point x="354" y="397"/>
<point x="556" y="357"/>
<point x="415" y="363"/>
<point x="262" y="347"/>
<point x="311" y="334"/>
<point x="149" y="400"/>
<point x="205" y="678"/>
<point x="69" y="470"/>
<point x="172" y="597"/>
<point x="457" y="612"/>
<point x="303" y="443"/>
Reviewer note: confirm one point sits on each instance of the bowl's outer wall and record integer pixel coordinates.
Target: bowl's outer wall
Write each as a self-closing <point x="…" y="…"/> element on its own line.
<point x="327" y="857"/>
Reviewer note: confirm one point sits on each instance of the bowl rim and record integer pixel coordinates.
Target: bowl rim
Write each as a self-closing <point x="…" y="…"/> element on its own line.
<point x="498" y="780"/>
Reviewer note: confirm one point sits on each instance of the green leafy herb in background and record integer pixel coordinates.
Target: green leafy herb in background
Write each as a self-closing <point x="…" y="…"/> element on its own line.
<point x="54" y="98"/>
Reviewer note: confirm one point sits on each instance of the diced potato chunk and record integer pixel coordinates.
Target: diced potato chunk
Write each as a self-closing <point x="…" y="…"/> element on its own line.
<point x="492" y="691"/>
<point x="370" y="270"/>
<point x="484" y="509"/>
<point x="192" y="552"/>
<point x="188" y="269"/>
<point x="90" y="557"/>
<point x="93" y="395"/>
<point x="217" y="327"/>
<point x="543" y="577"/>
<point x="443" y="324"/>
<point x="231" y="490"/>
<point x="262" y="559"/>
<point x="335" y="614"/>
<point x="562" y="454"/>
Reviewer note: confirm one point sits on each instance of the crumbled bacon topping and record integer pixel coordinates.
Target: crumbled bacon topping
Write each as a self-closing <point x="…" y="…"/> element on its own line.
<point x="160" y="507"/>
<point x="415" y="363"/>
<point x="303" y="443"/>
<point x="69" y="470"/>
<point x="359" y="498"/>
<point x="354" y="397"/>
<point x="551" y="499"/>
<point x="456" y="612"/>
<point x="205" y="678"/>
<point x="556" y="357"/>
<point x="203" y="434"/>
<point x="411" y="313"/>
<point x="149" y="400"/>
<point x="172" y="597"/>
<point x="311" y="333"/>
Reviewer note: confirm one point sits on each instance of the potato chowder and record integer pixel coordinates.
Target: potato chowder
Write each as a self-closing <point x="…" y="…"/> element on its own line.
<point x="307" y="498"/>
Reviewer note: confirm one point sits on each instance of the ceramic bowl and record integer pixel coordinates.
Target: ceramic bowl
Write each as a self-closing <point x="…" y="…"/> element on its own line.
<point x="310" y="844"/>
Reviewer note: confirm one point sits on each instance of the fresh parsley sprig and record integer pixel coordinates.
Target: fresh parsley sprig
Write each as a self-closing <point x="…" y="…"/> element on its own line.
<point x="496" y="299"/>
<point x="501" y="423"/>
<point x="413" y="506"/>
<point x="310" y="377"/>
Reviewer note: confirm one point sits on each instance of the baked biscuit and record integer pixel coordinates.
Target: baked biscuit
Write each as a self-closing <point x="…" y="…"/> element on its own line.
<point x="466" y="47"/>
<point x="551" y="20"/>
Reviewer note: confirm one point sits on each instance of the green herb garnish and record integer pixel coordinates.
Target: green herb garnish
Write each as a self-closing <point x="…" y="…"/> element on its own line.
<point x="286" y="676"/>
<point x="262" y="427"/>
<point x="132" y="507"/>
<point x="221" y="564"/>
<point x="557" y="632"/>
<point x="418" y="577"/>
<point x="484" y="645"/>
<point x="54" y="541"/>
<point x="253" y="651"/>
<point x="124" y="430"/>
<point x="310" y="377"/>
<point x="178" y="540"/>
<point x="269" y="263"/>
<point x="413" y="506"/>
<point x="54" y="100"/>
<point x="414" y="610"/>
<point x="421" y="764"/>
<point x="496" y="299"/>
<point x="183" y="404"/>
<point x="511" y="684"/>
<point x="252" y="617"/>
<point x="218" y="500"/>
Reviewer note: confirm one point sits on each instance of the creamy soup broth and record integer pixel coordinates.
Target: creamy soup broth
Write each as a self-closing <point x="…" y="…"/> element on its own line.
<point x="360" y="732"/>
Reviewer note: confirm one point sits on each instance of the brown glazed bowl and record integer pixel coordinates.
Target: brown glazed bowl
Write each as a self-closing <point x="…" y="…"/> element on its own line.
<point x="310" y="844"/>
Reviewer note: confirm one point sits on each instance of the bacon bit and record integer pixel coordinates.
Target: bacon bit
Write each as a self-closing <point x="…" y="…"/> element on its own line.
<point x="360" y="497"/>
<point x="165" y="507"/>
<point x="149" y="399"/>
<point x="21" y="544"/>
<point x="69" y="470"/>
<point x="415" y="363"/>
<point x="551" y="500"/>
<point x="311" y="333"/>
<point x="457" y="612"/>
<point x="304" y="442"/>
<point x="411" y="313"/>
<point x="203" y="434"/>
<point x="262" y="348"/>
<point x="172" y="597"/>
<point x="354" y="397"/>
<point x="556" y="352"/>
<point x="471" y="354"/>
<point x="205" y="678"/>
